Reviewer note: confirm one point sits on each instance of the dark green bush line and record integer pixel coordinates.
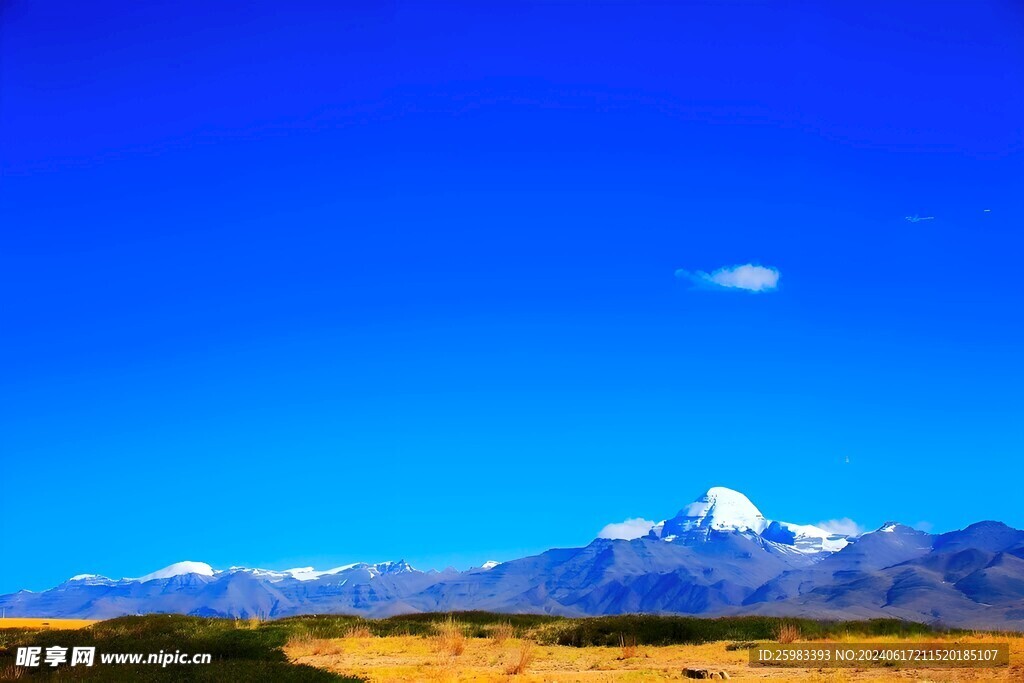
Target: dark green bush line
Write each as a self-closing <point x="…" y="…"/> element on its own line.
<point x="666" y="630"/>
<point x="606" y="631"/>
<point x="476" y="624"/>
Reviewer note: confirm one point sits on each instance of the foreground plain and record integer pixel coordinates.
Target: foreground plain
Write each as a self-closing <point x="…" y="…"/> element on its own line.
<point x="477" y="646"/>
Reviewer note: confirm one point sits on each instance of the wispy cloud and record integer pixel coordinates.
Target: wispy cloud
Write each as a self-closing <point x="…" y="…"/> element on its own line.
<point x="924" y="526"/>
<point x="844" y="526"/>
<point x="628" y="530"/>
<point x="747" y="277"/>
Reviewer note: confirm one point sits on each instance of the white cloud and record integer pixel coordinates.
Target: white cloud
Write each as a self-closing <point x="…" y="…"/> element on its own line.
<point x="628" y="530"/>
<point x="748" y="277"/>
<point x="844" y="526"/>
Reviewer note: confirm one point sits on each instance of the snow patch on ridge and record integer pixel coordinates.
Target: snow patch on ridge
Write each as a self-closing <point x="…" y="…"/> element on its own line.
<point x="311" y="574"/>
<point x="177" y="569"/>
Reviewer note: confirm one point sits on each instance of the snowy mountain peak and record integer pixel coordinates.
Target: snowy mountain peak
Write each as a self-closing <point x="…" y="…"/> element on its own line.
<point x="721" y="509"/>
<point x="178" y="569"/>
<point x="725" y="510"/>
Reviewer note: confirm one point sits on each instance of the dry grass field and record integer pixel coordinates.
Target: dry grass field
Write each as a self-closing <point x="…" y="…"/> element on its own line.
<point x="477" y="647"/>
<point x="43" y="624"/>
<point x="447" y="657"/>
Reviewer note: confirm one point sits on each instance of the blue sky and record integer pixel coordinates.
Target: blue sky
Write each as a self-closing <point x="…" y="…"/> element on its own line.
<point x="312" y="284"/>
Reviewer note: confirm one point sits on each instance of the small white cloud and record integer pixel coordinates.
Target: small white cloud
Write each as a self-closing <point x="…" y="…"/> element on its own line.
<point x="748" y="277"/>
<point x="924" y="526"/>
<point x="844" y="526"/>
<point x="628" y="530"/>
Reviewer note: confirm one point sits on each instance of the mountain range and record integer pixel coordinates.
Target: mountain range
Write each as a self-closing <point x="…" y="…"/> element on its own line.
<point x="718" y="556"/>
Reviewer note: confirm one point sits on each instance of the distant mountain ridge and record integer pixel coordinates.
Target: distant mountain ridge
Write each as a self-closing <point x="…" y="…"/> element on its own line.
<point x="717" y="556"/>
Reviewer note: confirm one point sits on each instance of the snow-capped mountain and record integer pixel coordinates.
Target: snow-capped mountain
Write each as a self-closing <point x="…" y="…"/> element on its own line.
<point x="201" y="569"/>
<point x="718" y="555"/>
<point x="725" y="510"/>
<point x="310" y="574"/>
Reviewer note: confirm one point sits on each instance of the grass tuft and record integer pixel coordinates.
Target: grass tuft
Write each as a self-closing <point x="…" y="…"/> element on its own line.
<point x="520" y="659"/>
<point x="450" y="638"/>
<point x="627" y="644"/>
<point x="787" y="633"/>
<point x="502" y="632"/>
<point x="358" y="631"/>
<point x="11" y="673"/>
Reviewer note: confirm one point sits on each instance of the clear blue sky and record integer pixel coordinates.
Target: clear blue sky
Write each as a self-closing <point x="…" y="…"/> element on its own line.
<point x="304" y="283"/>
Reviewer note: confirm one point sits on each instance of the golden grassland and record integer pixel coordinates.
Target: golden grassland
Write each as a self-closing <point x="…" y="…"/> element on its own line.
<point x="42" y="624"/>
<point x="447" y="657"/>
